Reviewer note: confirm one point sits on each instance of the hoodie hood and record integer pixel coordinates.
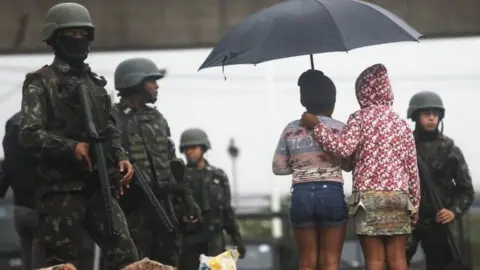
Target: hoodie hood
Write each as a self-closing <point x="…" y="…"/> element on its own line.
<point x="373" y="87"/>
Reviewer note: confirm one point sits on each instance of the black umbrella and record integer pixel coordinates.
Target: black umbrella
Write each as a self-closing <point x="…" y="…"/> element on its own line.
<point x="302" y="27"/>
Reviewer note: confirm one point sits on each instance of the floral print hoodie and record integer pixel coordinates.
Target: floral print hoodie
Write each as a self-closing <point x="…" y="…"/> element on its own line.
<point x="381" y="142"/>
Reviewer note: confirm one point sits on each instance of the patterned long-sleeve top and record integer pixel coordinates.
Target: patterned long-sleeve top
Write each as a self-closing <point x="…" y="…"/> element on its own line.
<point x="385" y="155"/>
<point x="299" y="154"/>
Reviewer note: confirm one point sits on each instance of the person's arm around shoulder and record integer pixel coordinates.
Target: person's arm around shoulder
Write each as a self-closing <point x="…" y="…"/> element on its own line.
<point x="342" y="143"/>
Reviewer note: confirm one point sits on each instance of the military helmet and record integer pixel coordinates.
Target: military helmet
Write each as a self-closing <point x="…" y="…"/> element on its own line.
<point x="192" y="137"/>
<point x="132" y="72"/>
<point x="425" y="100"/>
<point x="67" y="15"/>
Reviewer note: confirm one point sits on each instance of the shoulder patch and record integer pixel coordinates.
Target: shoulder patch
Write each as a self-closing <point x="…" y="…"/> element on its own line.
<point x="218" y="175"/>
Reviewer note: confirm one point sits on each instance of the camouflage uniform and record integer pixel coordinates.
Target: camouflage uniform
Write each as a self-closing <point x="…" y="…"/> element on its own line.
<point x="146" y="135"/>
<point x="67" y="195"/>
<point x="448" y="163"/>
<point x="211" y="191"/>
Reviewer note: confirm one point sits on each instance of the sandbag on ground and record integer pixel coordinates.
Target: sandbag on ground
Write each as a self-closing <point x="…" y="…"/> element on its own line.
<point x="147" y="264"/>
<point x="66" y="266"/>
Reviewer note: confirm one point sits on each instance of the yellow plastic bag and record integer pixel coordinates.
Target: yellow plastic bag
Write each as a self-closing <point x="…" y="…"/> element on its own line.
<point x="225" y="261"/>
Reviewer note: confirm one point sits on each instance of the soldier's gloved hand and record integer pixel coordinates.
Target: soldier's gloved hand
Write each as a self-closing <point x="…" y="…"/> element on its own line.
<point x="241" y="251"/>
<point x="194" y="213"/>
<point x="238" y="242"/>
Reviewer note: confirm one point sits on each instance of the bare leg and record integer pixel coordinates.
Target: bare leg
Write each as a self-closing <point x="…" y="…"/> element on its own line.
<point x="395" y="251"/>
<point x="306" y="239"/>
<point x="373" y="251"/>
<point x="330" y="245"/>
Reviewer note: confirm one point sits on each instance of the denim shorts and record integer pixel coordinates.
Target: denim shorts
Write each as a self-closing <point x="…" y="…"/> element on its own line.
<point x="318" y="204"/>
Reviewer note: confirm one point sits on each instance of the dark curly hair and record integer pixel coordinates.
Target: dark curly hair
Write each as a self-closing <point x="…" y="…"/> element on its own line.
<point x="318" y="93"/>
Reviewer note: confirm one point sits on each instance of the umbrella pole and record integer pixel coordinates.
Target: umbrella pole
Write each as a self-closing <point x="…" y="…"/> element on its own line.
<point x="311" y="61"/>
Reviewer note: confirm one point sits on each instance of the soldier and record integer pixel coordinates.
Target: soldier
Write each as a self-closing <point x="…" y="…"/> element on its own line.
<point x="67" y="186"/>
<point x="146" y="135"/>
<point x="20" y="178"/>
<point x="212" y="192"/>
<point x="450" y="172"/>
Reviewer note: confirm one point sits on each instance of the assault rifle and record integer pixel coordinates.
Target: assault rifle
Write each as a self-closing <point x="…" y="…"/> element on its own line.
<point x="96" y="144"/>
<point x="426" y="178"/>
<point x="141" y="179"/>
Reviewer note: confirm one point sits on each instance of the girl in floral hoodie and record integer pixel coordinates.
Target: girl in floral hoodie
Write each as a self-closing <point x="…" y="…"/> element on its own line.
<point x="386" y="190"/>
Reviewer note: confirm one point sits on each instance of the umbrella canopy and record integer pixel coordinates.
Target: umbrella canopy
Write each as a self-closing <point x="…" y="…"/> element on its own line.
<point x="302" y="27"/>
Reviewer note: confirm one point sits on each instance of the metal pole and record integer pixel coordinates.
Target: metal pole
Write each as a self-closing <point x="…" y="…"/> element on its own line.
<point x="96" y="258"/>
<point x="233" y="151"/>
<point x="275" y="199"/>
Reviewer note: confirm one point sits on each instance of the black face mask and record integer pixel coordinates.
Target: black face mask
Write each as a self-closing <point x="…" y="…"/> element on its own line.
<point x="71" y="50"/>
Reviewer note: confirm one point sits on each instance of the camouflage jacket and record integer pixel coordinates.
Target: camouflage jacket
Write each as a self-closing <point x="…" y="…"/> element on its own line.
<point x="211" y="190"/>
<point x="52" y="123"/>
<point x="450" y="172"/>
<point x="145" y="134"/>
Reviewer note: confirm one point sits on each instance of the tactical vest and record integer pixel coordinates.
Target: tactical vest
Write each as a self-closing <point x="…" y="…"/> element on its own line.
<point x="437" y="155"/>
<point x="145" y="135"/>
<point x="209" y="193"/>
<point x="65" y="117"/>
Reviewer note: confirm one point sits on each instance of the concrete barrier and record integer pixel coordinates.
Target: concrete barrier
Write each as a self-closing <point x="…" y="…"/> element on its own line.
<point x="142" y="24"/>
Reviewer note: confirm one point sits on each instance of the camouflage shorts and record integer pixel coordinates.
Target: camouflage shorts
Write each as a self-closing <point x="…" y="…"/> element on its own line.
<point x="381" y="212"/>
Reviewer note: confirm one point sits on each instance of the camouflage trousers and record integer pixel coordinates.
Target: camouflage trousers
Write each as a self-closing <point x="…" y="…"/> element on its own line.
<point x="63" y="216"/>
<point x="189" y="260"/>
<point x="151" y="238"/>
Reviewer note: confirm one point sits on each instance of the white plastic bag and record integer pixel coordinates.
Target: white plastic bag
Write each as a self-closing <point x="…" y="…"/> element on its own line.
<point x="225" y="261"/>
